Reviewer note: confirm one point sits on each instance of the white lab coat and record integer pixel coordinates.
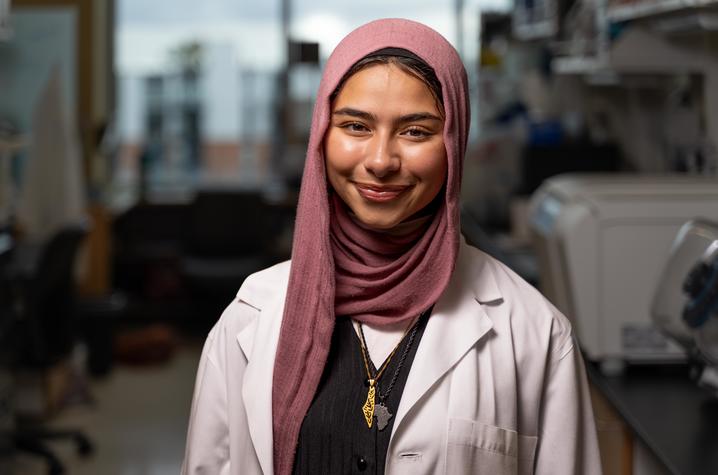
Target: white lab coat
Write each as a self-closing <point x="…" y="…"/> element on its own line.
<point x="497" y="385"/>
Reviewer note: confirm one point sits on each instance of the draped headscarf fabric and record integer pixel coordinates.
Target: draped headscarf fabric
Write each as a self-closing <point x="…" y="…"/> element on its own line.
<point x="340" y="268"/>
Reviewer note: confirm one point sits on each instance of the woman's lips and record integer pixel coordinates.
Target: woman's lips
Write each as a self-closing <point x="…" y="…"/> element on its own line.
<point x="380" y="193"/>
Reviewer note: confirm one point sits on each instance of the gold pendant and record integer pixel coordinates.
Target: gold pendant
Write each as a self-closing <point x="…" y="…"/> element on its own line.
<point x="368" y="407"/>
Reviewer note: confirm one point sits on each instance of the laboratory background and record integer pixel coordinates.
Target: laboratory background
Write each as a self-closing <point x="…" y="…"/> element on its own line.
<point x="150" y="160"/>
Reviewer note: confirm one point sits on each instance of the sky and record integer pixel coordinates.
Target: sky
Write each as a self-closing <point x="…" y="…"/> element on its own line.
<point x="148" y="30"/>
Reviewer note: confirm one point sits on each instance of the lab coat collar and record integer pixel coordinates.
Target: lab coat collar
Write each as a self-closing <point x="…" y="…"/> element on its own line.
<point x="473" y="269"/>
<point x="459" y="319"/>
<point x="257" y="382"/>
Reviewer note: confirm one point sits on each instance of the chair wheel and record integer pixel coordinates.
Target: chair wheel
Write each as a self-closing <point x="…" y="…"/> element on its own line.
<point x="84" y="446"/>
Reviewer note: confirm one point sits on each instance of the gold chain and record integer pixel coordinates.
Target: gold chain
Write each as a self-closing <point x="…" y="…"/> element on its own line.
<point x="368" y="407"/>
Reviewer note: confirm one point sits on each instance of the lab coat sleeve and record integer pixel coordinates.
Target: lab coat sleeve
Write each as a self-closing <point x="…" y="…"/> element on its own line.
<point x="207" y="449"/>
<point x="568" y="443"/>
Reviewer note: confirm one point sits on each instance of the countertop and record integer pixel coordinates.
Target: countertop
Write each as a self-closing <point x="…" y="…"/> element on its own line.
<point x="674" y="417"/>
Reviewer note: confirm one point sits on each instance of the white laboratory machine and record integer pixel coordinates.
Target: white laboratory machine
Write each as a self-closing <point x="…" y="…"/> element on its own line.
<point x="602" y="242"/>
<point x="685" y="305"/>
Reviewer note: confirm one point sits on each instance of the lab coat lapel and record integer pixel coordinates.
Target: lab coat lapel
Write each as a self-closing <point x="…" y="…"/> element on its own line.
<point x="457" y="323"/>
<point x="259" y="343"/>
<point x="452" y="330"/>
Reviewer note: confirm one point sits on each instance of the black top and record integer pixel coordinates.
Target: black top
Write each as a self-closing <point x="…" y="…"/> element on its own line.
<point x="335" y="438"/>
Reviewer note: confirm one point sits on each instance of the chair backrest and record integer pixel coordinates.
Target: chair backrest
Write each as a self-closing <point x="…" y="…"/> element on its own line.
<point x="227" y="223"/>
<point x="56" y="264"/>
<point x="6" y="302"/>
<point x="142" y="235"/>
<point x="49" y="297"/>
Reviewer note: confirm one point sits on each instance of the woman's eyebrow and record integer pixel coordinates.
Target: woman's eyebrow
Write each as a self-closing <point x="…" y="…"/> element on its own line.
<point x="360" y="114"/>
<point x="418" y="117"/>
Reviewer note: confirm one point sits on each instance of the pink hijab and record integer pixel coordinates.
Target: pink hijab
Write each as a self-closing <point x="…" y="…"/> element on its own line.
<point x="342" y="269"/>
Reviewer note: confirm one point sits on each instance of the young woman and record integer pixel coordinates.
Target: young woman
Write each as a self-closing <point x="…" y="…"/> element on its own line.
<point x="388" y="345"/>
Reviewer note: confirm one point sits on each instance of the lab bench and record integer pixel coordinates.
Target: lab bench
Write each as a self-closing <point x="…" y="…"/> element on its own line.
<point x="666" y="415"/>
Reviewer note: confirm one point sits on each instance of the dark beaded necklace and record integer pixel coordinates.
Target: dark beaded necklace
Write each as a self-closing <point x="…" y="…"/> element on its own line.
<point x="370" y="408"/>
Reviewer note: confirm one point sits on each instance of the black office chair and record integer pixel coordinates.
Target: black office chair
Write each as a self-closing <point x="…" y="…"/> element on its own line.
<point x="228" y="237"/>
<point x="46" y="332"/>
<point x="6" y="334"/>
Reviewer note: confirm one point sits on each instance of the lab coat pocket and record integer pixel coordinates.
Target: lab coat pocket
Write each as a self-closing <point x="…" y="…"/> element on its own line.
<point x="474" y="447"/>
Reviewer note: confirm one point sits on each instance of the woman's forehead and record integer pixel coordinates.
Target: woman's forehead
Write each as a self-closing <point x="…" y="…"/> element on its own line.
<point x="381" y="86"/>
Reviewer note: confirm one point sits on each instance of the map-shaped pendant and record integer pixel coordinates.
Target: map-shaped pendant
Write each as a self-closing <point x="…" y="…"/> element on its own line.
<point x="368" y="407"/>
<point x="382" y="415"/>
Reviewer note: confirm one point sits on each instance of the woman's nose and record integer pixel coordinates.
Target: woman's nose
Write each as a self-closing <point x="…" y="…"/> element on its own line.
<point x="382" y="158"/>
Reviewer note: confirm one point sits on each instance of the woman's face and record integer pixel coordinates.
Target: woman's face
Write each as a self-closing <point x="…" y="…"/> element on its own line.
<point x="384" y="148"/>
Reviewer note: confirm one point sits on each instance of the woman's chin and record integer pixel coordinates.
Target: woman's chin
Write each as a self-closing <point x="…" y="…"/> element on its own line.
<point x="378" y="222"/>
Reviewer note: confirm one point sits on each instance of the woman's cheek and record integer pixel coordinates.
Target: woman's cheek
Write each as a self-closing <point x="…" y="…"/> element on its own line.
<point x="343" y="153"/>
<point x="427" y="161"/>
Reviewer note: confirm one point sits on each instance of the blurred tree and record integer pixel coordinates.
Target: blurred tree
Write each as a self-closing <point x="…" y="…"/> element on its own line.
<point x="188" y="56"/>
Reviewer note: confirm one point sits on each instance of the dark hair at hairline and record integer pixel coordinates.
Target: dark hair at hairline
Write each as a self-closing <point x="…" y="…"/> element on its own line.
<point x="415" y="67"/>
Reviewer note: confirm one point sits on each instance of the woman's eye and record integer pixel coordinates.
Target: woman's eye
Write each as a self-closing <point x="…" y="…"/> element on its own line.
<point x="416" y="132"/>
<point x="354" y="127"/>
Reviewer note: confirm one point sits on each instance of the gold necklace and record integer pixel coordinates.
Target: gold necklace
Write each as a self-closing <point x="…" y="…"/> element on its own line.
<point x="370" y="406"/>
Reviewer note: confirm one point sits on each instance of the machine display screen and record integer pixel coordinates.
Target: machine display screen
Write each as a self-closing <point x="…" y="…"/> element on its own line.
<point x="546" y="213"/>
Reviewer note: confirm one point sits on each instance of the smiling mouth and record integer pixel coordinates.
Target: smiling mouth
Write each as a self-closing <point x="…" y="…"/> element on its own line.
<point x="380" y="193"/>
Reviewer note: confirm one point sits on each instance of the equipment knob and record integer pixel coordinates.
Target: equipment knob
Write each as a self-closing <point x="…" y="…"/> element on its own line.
<point x="696" y="279"/>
